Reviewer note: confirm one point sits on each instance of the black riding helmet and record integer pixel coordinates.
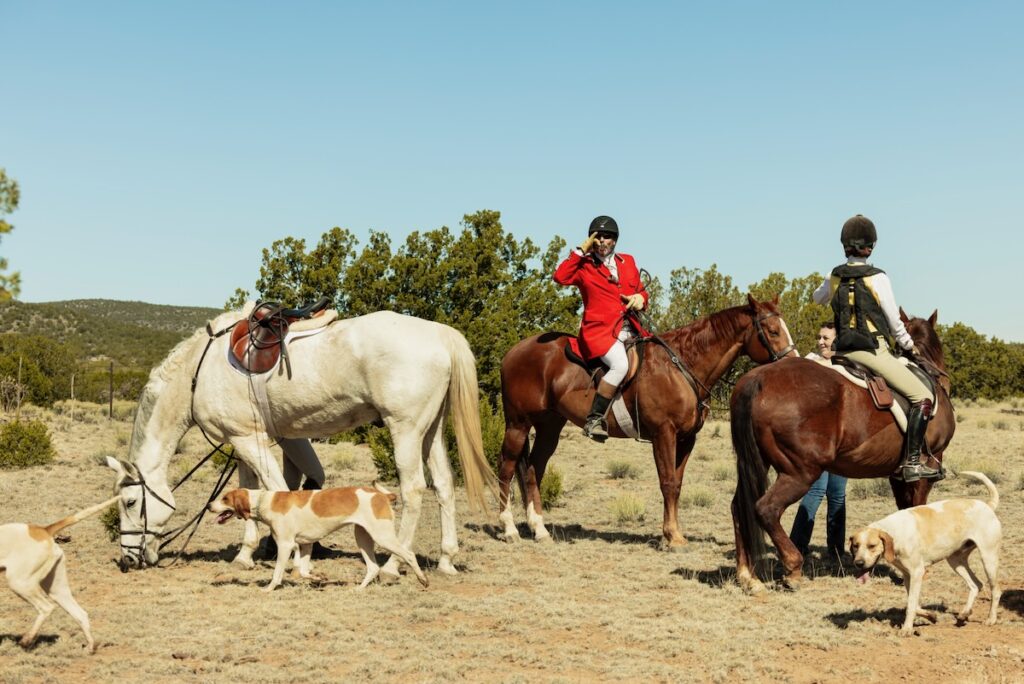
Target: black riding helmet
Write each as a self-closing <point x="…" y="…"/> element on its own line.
<point x="604" y="224"/>
<point x="859" y="233"/>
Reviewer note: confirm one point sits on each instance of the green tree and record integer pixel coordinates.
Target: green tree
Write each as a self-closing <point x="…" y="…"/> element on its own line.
<point x="981" y="367"/>
<point x="10" y="284"/>
<point x="46" y="366"/>
<point x="694" y="293"/>
<point x="803" y="317"/>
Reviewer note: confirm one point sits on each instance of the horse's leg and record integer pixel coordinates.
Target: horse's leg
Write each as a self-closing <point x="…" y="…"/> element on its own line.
<point x="745" y="575"/>
<point x="665" y="443"/>
<point x="514" y="448"/>
<point x="444" y="488"/>
<point x="408" y="443"/>
<point x="786" y="491"/>
<point x="257" y="469"/>
<point x="684" y="447"/>
<point x="548" y="432"/>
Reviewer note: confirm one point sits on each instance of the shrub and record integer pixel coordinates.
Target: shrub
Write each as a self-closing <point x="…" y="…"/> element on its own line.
<point x="25" y="443"/>
<point x="345" y="461"/>
<point x="551" y="488"/>
<point x="960" y="418"/>
<point x="620" y="470"/>
<point x="628" y="508"/>
<point x="1020" y="482"/>
<point x="723" y="472"/>
<point x="382" y="451"/>
<point x="1001" y="424"/>
<point x="697" y="496"/>
<point x="865" y="489"/>
<point x="111" y="521"/>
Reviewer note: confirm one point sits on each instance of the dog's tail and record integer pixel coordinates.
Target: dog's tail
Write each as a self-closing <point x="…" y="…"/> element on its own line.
<point x="380" y="488"/>
<point x="993" y="502"/>
<point x="54" y="528"/>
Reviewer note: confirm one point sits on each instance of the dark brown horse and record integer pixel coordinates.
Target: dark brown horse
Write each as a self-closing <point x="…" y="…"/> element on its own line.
<point x="802" y="418"/>
<point x="542" y="389"/>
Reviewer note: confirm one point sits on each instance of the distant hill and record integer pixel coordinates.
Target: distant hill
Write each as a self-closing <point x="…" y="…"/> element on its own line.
<point x="133" y="334"/>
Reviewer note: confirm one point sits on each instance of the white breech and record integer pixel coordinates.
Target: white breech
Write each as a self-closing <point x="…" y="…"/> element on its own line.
<point x="617" y="363"/>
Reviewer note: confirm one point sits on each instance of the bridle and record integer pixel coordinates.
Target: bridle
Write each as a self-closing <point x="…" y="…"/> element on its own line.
<point x="140" y="548"/>
<point x="762" y="336"/>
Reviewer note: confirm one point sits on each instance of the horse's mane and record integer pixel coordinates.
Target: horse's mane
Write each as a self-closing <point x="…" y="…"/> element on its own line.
<point x="171" y="368"/>
<point x="701" y="335"/>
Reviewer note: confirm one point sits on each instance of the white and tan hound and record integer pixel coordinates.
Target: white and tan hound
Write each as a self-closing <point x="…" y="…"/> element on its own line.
<point x="36" y="570"/>
<point x="303" y="517"/>
<point x="912" y="539"/>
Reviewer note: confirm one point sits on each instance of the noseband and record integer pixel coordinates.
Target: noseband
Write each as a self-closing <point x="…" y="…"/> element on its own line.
<point x="763" y="337"/>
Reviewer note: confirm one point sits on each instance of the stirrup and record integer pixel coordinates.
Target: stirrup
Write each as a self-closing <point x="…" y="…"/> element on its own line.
<point x="912" y="472"/>
<point x="595" y="429"/>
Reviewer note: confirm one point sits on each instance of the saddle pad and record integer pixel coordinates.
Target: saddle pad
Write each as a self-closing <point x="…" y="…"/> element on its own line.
<point x="897" y="411"/>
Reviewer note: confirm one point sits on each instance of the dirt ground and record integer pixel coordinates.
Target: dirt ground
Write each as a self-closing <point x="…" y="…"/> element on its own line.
<point x="602" y="602"/>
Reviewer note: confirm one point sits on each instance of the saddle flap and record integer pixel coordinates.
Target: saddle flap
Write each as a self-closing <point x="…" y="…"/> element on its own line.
<point x="880" y="392"/>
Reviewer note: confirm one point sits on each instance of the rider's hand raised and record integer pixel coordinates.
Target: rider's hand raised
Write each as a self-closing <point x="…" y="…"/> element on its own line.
<point x="588" y="243"/>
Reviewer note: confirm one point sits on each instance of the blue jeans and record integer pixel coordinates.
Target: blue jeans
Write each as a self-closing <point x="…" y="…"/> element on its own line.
<point x="834" y="488"/>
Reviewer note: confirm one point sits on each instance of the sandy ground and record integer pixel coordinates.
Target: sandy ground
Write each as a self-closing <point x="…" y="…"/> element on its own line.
<point x="601" y="602"/>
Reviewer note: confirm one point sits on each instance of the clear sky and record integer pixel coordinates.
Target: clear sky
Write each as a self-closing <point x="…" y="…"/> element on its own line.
<point x="160" y="146"/>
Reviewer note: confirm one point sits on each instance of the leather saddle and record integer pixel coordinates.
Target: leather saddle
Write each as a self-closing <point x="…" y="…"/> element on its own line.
<point x="258" y="342"/>
<point x="881" y="394"/>
<point x="596" y="368"/>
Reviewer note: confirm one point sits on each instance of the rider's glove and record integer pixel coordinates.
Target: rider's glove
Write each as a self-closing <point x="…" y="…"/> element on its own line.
<point x="588" y="243"/>
<point x="634" y="302"/>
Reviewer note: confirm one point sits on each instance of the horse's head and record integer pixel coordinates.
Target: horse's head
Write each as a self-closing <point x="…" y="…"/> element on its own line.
<point x="770" y="339"/>
<point x="922" y="331"/>
<point x="144" y="509"/>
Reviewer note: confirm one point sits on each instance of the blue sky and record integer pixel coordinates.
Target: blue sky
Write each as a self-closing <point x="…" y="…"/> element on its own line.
<point x="160" y="146"/>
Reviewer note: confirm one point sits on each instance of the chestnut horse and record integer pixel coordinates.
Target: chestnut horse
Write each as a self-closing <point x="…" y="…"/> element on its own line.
<point x="542" y="389"/>
<point x="802" y="418"/>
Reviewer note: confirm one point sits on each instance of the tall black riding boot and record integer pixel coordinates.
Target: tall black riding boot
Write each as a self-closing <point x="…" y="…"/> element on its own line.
<point x="595" y="428"/>
<point x="319" y="551"/>
<point x="912" y="470"/>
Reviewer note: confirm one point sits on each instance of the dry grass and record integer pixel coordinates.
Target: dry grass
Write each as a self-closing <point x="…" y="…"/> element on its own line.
<point x="601" y="603"/>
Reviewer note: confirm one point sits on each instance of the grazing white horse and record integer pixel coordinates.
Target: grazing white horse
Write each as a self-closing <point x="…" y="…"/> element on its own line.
<point x="404" y="371"/>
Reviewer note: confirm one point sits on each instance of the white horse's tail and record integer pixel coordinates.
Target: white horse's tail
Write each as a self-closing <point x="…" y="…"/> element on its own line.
<point x="464" y="403"/>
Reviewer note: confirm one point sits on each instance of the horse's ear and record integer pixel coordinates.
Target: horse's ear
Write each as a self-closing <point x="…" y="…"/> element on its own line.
<point x="903" y="316"/>
<point x="933" y="319"/>
<point x="775" y="299"/>
<point x="117" y="466"/>
<point x="751" y="301"/>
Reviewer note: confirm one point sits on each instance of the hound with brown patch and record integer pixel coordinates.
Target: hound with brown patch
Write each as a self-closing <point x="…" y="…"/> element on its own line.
<point x="36" y="570"/>
<point x="912" y="539"/>
<point x="303" y="517"/>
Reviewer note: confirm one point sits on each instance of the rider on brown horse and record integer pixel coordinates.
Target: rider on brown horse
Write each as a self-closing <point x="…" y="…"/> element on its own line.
<point x="612" y="291"/>
<point x="868" y="328"/>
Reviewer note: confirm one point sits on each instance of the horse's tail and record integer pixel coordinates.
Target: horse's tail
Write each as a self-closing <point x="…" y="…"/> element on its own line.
<point x="464" y="403"/>
<point x="751" y="471"/>
<point x="54" y="528"/>
<point x="993" y="501"/>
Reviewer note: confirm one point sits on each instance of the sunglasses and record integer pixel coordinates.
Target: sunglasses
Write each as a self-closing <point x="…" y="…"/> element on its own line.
<point x="607" y="236"/>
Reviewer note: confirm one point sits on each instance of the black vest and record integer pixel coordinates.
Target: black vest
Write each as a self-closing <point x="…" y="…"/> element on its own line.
<point x="854" y="305"/>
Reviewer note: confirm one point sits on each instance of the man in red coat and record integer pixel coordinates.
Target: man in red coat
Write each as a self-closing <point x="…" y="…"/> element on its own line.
<point x="611" y="289"/>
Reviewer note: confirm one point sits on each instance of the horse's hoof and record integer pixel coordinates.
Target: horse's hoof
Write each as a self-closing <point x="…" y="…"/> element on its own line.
<point x="672" y="546"/>
<point x="389" y="578"/>
<point x="753" y="587"/>
<point x="510" y="538"/>
<point x="793" y="583"/>
<point x="445" y="567"/>
<point x="244" y="563"/>
<point x="544" y="539"/>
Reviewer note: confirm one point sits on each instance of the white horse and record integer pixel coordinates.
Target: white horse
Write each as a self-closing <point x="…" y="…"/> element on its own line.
<point x="404" y="371"/>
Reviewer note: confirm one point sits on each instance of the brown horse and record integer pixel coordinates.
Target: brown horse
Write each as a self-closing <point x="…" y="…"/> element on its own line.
<point x="802" y="418"/>
<point x="542" y="389"/>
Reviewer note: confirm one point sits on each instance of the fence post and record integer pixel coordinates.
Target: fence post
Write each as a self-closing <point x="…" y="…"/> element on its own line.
<point x="110" y="414"/>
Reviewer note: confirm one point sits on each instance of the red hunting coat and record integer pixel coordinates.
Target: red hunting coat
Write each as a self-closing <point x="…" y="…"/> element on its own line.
<point x="603" y="308"/>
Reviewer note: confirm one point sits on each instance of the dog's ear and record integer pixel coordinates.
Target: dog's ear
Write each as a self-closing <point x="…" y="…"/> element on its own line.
<point x="240" y="501"/>
<point x="887" y="545"/>
<point x="849" y="545"/>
